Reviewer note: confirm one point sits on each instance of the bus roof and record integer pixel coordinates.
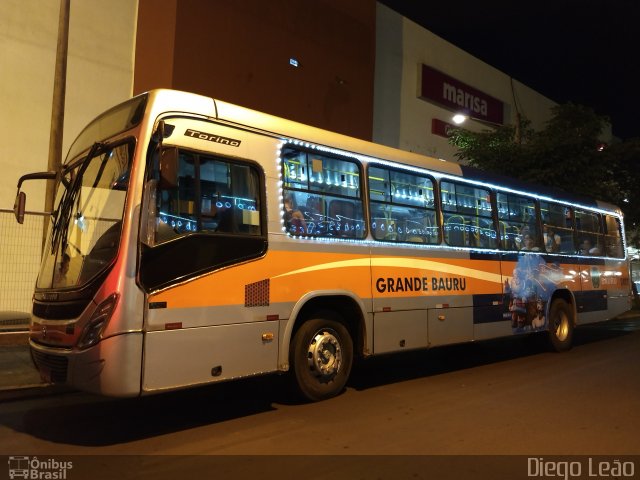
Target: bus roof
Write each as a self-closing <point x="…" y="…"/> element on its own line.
<point x="173" y="100"/>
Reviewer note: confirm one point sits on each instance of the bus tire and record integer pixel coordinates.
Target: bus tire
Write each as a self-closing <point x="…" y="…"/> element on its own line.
<point x="560" y="325"/>
<point x="321" y="356"/>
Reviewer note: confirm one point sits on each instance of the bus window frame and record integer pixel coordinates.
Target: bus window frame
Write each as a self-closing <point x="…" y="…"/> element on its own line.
<point x="574" y="251"/>
<point x="150" y="254"/>
<point x="537" y="220"/>
<point x="216" y="156"/>
<point x="360" y="197"/>
<point x="436" y="203"/>
<point x="582" y="234"/>
<point x="467" y="182"/>
<point x="621" y="252"/>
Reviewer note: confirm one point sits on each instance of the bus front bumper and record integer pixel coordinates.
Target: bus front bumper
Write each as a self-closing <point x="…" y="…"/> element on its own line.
<point x="112" y="367"/>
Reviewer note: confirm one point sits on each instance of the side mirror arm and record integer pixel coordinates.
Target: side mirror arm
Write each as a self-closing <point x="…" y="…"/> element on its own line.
<point x="19" y="205"/>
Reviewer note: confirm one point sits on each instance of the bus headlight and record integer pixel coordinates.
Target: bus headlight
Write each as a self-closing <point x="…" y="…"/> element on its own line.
<point x="93" y="331"/>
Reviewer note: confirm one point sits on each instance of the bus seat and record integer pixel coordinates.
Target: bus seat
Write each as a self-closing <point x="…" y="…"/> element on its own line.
<point x="342" y="213"/>
<point x="454" y="231"/>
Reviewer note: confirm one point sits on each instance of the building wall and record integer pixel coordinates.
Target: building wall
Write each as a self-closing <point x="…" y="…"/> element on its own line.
<point x="240" y="52"/>
<point x="99" y="74"/>
<point x="402" y="119"/>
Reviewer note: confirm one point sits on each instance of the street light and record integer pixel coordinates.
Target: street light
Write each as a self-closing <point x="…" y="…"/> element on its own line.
<point x="459" y="118"/>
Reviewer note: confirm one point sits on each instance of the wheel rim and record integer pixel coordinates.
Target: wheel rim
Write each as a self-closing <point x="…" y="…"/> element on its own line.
<point x="324" y="354"/>
<point x="562" y="326"/>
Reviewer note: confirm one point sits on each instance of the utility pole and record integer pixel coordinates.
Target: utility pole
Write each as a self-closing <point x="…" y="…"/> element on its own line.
<point x="518" y="133"/>
<point x="57" y="107"/>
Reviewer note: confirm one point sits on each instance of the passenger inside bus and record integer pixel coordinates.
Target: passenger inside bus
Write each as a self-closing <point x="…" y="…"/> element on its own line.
<point x="552" y="240"/>
<point x="587" y="247"/>
<point x="529" y="243"/>
<point x="293" y="217"/>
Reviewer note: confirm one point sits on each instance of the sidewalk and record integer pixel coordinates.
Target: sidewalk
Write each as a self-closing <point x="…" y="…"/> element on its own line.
<point x="19" y="378"/>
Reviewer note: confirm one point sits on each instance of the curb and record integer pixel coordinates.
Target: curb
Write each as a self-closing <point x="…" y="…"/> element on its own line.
<point x="26" y="392"/>
<point x="14" y="338"/>
<point x="628" y="315"/>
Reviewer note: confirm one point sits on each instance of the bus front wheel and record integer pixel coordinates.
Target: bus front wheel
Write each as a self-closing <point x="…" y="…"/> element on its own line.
<point x="560" y="325"/>
<point x="321" y="355"/>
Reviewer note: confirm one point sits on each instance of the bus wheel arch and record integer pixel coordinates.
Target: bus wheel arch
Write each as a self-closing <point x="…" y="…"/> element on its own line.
<point x="325" y="335"/>
<point x="562" y="320"/>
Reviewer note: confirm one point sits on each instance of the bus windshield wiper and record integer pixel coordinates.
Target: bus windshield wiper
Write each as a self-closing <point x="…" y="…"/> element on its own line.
<point x="63" y="213"/>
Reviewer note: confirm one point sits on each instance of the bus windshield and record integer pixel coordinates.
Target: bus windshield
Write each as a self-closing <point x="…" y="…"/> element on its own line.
<point x="84" y="233"/>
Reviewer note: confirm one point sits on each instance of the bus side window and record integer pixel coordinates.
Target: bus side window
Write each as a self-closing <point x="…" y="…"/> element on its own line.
<point x="206" y="195"/>
<point x="517" y="217"/>
<point x="402" y="206"/>
<point x="558" y="228"/>
<point x="327" y="192"/>
<point x="468" y="215"/>
<point x="613" y="237"/>
<point x="589" y="230"/>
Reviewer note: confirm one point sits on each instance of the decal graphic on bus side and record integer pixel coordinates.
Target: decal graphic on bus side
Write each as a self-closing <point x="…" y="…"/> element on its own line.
<point x="210" y="137"/>
<point x="418" y="284"/>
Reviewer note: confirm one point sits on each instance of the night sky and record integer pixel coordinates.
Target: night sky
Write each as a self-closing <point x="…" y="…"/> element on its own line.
<point x="580" y="51"/>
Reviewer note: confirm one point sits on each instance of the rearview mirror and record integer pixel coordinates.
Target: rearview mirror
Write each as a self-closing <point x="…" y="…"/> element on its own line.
<point x="21" y="197"/>
<point x="19" y="207"/>
<point x="169" y="168"/>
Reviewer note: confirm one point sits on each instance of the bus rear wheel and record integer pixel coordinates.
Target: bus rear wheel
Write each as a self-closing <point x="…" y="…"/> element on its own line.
<point x="560" y="325"/>
<point x="321" y="355"/>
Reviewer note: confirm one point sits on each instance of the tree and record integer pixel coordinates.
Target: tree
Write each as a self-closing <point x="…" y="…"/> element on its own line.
<point x="567" y="154"/>
<point x="627" y="158"/>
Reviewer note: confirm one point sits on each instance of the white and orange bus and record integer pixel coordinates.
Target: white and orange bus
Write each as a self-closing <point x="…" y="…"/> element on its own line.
<point x="195" y="241"/>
